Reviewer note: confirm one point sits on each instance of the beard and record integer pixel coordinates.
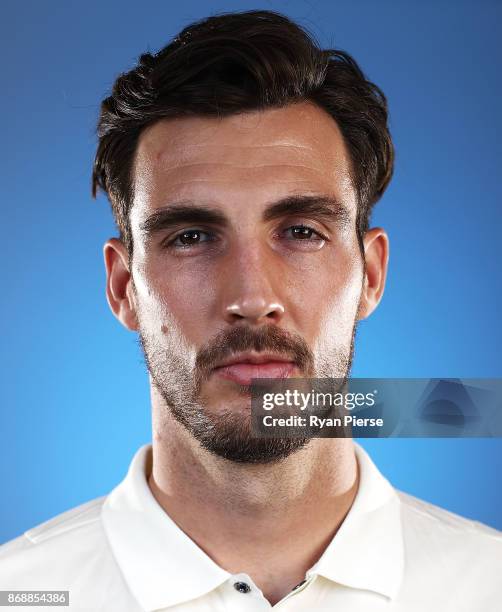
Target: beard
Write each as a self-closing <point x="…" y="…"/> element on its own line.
<point x="179" y="375"/>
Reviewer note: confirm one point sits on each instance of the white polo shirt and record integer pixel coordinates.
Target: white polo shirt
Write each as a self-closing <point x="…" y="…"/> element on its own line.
<point x="122" y="553"/>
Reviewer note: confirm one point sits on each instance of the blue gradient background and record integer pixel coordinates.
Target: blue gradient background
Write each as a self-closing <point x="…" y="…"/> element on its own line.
<point x="74" y="393"/>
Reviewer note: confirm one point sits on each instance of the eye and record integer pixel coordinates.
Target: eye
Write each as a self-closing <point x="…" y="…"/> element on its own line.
<point x="304" y="232"/>
<point x="190" y="237"/>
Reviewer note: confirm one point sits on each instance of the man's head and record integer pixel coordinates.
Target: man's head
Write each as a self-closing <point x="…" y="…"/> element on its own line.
<point x="242" y="163"/>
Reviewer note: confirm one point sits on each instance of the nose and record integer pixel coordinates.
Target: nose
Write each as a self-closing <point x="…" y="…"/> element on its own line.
<point x="255" y="309"/>
<point x="252" y="286"/>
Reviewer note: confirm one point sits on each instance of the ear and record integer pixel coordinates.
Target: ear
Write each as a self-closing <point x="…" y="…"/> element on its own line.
<point x="119" y="286"/>
<point x="376" y="251"/>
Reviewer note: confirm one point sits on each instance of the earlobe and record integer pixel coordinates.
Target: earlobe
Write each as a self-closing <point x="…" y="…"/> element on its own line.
<point x="119" y="287"/>
<point x="376" y="249"/>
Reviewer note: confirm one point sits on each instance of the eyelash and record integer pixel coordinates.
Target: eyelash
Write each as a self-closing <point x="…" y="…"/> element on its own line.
<point x="307" y="227"/>
<point x="172" y="243"/>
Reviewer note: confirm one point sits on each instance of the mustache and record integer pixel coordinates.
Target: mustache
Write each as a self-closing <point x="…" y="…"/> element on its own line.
<point x="266" y="338"/>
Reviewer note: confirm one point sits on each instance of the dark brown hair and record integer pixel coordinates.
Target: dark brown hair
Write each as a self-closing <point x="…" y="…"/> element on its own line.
<point x="236" y="62"/>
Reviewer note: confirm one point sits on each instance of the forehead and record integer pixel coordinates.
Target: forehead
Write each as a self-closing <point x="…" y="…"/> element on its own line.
<point x="250" y="157"/>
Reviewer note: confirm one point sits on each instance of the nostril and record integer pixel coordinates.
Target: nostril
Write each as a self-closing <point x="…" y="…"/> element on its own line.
<point x="276" y="310"/>
<point x="254" y="309"/>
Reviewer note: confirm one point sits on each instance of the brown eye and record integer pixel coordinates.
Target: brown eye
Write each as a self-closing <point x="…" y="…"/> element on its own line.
<point x="302" y="232"/>
<point x="191" y="237"/>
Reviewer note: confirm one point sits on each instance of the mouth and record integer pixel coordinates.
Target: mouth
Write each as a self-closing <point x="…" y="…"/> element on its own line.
<point x="241" y="369"/>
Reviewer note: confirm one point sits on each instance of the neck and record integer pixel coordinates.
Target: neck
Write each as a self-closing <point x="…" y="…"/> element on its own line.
<point x="271" y="521"/>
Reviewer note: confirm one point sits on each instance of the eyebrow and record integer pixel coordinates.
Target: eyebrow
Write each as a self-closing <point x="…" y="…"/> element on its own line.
<point x="184" y="212"/>
<point x="324" y="207"/>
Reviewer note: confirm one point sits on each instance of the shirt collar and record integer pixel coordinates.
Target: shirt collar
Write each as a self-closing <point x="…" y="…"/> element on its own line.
<point x="367" y="551"/>
<point x="163" y="566"/>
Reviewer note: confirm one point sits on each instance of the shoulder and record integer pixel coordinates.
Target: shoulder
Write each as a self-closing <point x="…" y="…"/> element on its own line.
<point x="441" y="546"/>
<point x="57" y="548"/>
<point x="70" y="552"/>
<point x="422" y="514"/>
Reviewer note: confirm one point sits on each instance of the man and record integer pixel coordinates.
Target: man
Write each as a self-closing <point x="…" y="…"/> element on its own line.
<point x="242" y="163"/>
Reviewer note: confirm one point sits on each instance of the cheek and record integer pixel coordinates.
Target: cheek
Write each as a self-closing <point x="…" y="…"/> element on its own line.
<point x="330" y="295"/>
<point x="173" y="301"/>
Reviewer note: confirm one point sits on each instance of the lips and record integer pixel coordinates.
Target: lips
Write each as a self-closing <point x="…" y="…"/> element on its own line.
<point x="242" y="372"/>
